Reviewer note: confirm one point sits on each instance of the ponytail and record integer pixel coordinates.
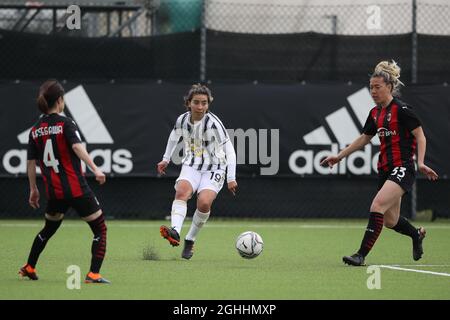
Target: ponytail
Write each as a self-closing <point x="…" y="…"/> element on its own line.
<point x="390" y="72"/>
<point x="49" y="92"/>
<point x="42" y="104"/>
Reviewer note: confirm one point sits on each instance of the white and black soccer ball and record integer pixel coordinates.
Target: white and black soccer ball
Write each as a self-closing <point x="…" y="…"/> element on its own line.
<point x="249" y="244"/>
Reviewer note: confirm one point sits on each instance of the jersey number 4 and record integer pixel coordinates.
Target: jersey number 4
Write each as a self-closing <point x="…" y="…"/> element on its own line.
<point x="49" y="156"/>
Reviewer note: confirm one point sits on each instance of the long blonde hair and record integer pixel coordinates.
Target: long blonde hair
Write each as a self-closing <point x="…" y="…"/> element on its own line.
<point x="390" y="72"/>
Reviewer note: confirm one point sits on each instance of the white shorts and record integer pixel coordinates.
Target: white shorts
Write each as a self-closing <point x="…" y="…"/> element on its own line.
<point x="201" y="180"/>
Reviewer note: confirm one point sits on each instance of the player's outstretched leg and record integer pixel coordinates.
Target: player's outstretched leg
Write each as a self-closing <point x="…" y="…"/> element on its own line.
<point x="98" y="249"/>
<point x="417" y="243"/>
<point x="52" y="223"/>
<point x="417" y="235"/>
<point x="171" y="235"/>
<point x="373" y="230"/>
<point x="198" y="220"/>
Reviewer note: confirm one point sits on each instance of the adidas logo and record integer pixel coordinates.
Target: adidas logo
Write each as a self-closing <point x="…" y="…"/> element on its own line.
<point x="85" y="115"/>
<point x="94" y="131"/>
<point x="344" y="131"/>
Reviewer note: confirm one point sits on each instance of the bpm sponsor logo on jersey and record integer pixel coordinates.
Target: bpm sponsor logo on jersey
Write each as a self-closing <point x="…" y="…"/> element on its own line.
<point x="94" y="131"/>
<point x="319" y="143"/>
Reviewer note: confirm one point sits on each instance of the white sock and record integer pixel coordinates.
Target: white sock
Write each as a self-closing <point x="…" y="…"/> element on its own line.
<point x="179" y="209"/>
<point x="198" y="221"/>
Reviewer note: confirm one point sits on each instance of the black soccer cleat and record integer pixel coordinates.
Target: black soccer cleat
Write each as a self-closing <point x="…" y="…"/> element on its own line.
<point x="417" y="243"/>
<point x="354" y="260"/>
<point x="171" y="235"/>
<point x="188" y="250"/>
<point x="28" y="271"/>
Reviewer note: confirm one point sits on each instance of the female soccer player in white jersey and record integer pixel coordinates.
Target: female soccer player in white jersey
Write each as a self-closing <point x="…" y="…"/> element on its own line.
<point x="208" y="156"/>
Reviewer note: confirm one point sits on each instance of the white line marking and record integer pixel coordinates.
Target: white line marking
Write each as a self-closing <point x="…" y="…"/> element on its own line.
<point x="141" y="224"/>
<point x="415" y="270"/>
<point x="422" y="265"/>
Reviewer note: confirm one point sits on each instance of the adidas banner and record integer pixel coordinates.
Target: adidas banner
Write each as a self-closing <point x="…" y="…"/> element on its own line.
<point x="282" y="130"/>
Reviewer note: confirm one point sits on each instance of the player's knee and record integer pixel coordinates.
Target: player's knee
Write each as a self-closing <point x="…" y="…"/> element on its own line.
<point x="54" y="216"/>
<point x="93" y="216"/>
<point x="184" y="196"/>
<point x="183" y="193"/>
<point x="203" y="205"/>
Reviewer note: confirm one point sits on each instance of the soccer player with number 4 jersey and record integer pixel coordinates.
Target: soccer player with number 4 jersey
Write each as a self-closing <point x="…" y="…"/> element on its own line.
<point x="55" y="145"/>
<point x="400" y="133"/>
<point x="208" y="156"/>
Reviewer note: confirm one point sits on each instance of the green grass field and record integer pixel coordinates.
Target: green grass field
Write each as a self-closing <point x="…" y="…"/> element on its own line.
<point x="301" y="260"/>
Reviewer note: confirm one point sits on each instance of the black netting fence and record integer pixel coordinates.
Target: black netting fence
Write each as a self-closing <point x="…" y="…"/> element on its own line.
<point x="285" y="40"/>
<point x="228" y="40"/>
<point x="151" y="198"/>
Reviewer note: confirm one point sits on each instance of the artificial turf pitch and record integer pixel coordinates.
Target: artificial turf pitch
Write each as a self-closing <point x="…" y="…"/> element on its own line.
<point x="302" y="259"/>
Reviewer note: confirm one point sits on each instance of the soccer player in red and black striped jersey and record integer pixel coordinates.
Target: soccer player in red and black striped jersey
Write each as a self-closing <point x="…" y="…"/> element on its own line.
<point x="400" y="133"/>
<point x="55" y="145"/>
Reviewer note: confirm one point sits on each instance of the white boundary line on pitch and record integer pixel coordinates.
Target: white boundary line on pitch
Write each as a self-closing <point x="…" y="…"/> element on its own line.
<point x="243" y="224"/>
<point x="414" y="270"/>
<point x="421" y="265"/>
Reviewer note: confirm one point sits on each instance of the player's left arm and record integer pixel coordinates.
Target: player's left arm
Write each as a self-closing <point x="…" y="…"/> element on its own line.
<point x="421" y="148"/>
<point x="231" y="167"/>
<point x="413" y="124"/>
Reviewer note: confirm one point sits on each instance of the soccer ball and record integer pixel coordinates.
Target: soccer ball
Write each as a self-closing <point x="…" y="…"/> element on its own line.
<point x="249" y="244"/>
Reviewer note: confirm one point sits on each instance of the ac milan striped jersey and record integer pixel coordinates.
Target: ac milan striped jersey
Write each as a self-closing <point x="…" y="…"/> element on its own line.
<point x="50" y="143"/>
<point x="393" y="124"/>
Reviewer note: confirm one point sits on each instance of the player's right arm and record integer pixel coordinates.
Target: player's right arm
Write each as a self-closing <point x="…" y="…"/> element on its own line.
<point x="73" y="137"/>
<point x="32" y="155"/>
<point x="359" y="142"/>
<point x="81" y="152"/>
<point x="172" y="142"/>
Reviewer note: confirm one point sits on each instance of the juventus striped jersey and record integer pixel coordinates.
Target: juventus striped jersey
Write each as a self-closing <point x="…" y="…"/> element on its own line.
<point x="393" y="124"/>
<point x="204" y="143"/>
<point x="50" y="143"/>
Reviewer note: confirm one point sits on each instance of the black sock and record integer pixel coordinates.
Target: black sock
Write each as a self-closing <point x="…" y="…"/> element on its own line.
<point x="403" y="226"/>
<point x="98" y="249"/>
<point x="41" y="240"/>
<point x="373" y="230"/>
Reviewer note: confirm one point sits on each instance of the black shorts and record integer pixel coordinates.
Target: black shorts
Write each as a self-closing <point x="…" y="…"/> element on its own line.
<point x="402" y="176"/>
<point x="84" y="206"/>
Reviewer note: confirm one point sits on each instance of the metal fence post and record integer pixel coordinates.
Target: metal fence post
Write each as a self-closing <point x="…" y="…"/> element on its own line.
<point x="203" y="43"/>
<point x="414" y="81"/>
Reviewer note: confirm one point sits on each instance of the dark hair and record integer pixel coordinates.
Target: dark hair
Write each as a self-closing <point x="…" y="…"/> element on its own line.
<point x="197" y="89"/>
<point x="49" y="92"/>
